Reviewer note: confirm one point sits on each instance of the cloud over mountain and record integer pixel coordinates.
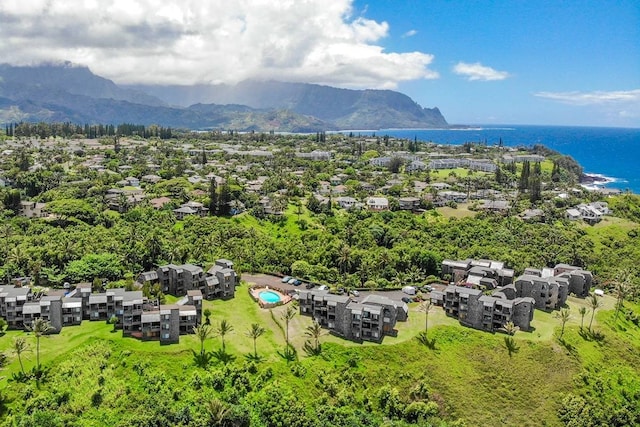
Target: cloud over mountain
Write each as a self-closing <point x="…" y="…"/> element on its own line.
<point x="214" y="41"/>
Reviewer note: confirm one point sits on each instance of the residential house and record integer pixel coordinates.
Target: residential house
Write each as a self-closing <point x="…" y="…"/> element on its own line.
<point x="346" y="202"/>
<point x="191" y="208"/>
<point x="409" y="203"/>
<point x="377" y="203"/>
<point x="33" y="209"/>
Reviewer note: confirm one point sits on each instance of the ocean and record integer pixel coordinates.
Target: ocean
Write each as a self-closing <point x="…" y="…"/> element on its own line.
<point x="613" y="154"/>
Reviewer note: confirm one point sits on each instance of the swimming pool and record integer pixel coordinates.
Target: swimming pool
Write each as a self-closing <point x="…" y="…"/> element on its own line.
<point x="269" y="297"/>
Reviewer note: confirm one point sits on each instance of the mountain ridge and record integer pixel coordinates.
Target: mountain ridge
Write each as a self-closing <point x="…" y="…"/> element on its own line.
<point x="65" y="92"/>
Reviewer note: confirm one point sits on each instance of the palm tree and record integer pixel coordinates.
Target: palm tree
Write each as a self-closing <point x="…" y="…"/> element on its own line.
<point x="287" y="316"/>
<point x="564" y="317"/>
<point x="510" y="328"/>
<point x="582" y="311"/>
<point x="315" y="332"/>
<point x="223" y="329"/>
<point x="202" y="332"/>
<point x="594" y="304"/>
<point x="217" y="411"/>
<point x="426" y="308"/>
<point x="39" y="327"/>
<point x="622" y="290"/>
<point x="344" y="258"/>
<point x="20" y="346"/>
<point x="254" y="333"/>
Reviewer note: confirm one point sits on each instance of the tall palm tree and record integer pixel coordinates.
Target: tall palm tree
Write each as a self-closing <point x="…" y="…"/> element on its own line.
<point x="582" y="311"/>
<point x="223" y="329"/>
<point x="314" y="332"/>
<point x="594" y="304"/>
<point x="39" y="327"/>
<point x="287" y="316"/>
<point x="622" y="290"/>
<point x="254" y="333"/>
<point x="20" y="346"/>
<point x="510" y="328"/>
<point x="344" y="258"/>
<point x="202" y="332"/>
<point x="426" y="308"/>
<point x="564" y="317"/>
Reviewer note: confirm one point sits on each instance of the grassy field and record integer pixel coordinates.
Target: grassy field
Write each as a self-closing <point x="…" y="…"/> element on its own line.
<point x="461" y="211"/>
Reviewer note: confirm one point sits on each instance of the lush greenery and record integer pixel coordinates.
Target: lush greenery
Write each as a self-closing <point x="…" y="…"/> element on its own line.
<point x="579" y="368"/>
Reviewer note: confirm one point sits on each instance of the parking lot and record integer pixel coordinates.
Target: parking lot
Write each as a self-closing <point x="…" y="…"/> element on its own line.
<point x="275" y="281"/>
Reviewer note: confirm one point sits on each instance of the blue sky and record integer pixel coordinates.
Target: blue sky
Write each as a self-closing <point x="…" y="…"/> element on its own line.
<point x="563" y="59"/>
<point x="481" y="62"/>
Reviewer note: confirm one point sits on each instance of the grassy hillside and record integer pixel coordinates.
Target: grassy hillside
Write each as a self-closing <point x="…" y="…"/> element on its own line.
<point x="99" y="378"/>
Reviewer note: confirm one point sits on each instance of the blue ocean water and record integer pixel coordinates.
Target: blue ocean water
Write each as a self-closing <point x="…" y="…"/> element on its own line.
<point x="611" y="152"/>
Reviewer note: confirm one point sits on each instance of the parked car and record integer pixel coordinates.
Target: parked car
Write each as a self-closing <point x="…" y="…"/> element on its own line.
<point x="427" y="288"/>
<point x="286" y="279"/>
<point x="355" y="293"/>
<point x="309" y="285"/>
<point x="297" y="282"/>
<point x="291" y="281"/>
<point x="323" y="288"/>
<point x="406" y="300"/>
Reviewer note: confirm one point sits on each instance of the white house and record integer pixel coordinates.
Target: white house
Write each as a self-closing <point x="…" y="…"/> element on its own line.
<point x="377" y="203"/>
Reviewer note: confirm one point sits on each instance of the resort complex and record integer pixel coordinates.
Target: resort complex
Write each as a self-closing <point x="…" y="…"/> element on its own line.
<point x="136" y="315"/>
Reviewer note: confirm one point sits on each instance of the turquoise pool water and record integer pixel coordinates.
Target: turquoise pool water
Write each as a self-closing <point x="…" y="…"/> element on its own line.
<point x="269" y="297"/>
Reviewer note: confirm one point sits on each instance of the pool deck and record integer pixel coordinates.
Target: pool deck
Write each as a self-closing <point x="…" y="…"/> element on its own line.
<point x="255" y="294"/>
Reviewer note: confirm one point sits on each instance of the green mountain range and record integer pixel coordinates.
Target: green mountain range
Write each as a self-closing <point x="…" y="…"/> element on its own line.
<point x="65" y="92"/>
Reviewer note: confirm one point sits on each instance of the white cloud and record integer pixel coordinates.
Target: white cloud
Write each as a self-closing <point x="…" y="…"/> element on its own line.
<point x="213" y="41"/>
<point x="593" y="98"/>
<point x="477" y="71"/>
<point x="410" y="33"/>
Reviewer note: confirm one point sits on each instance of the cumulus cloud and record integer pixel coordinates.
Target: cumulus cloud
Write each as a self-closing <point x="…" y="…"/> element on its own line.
<point x="593" y="98"/>
<point x="213" y="41"/>
<point x="477" y="71"/>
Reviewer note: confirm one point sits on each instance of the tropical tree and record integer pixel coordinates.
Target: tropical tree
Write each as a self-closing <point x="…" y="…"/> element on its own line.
<point x="218" y="412"/>
<point x="223" y="329"/>
<point x="202" y="332"/>
<point x="20" y="346"/>
<point x="622" y="289"/>
<point x="426" y="308"/>
<point x="254" y="333"/>
<point x="510" y="329"/>
<point x="207" y="314"/>
<point x="594" y="304"/>
<point x="582" y="311"/>
<point x="314" y="332"/>
<point x="39" y="327"/>
<point x="564" y="317"/>
<point x="3" y="326"/>
<point x="113" y="320"/>
<point x="287" y="316"/>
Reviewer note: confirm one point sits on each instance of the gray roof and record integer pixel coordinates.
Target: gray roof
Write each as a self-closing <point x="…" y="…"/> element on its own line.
<point x="31" y="308"/>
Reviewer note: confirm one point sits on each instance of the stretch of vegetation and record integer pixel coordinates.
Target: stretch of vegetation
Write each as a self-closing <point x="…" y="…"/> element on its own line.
<point x="256" y="367"/>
